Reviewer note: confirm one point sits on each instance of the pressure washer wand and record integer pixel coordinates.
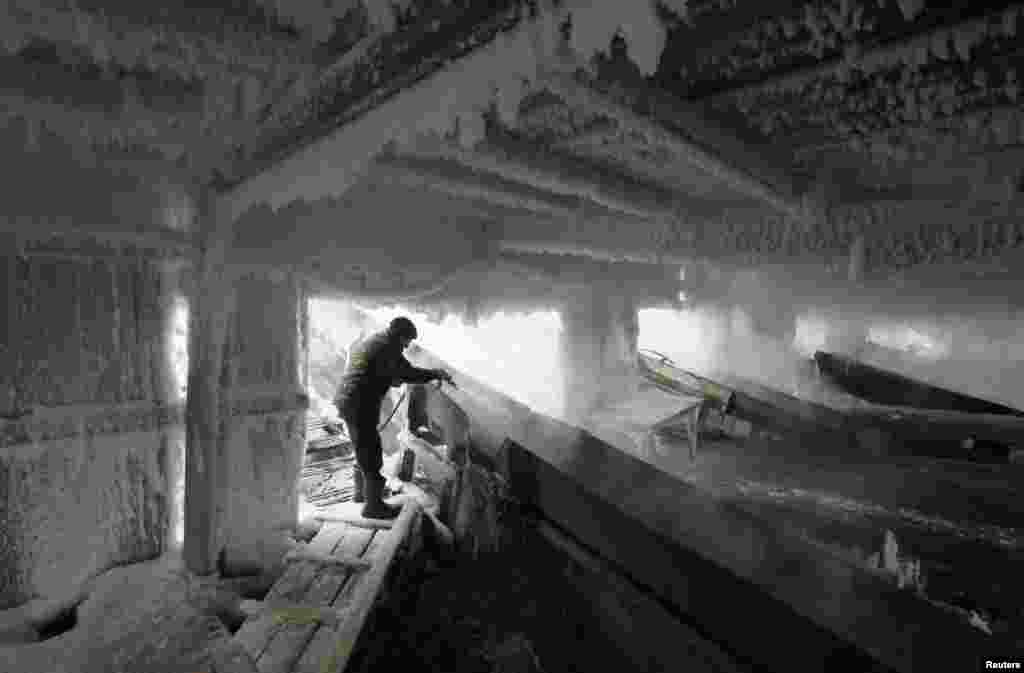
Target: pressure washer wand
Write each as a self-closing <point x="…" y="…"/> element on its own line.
<point x="450" y="382"/>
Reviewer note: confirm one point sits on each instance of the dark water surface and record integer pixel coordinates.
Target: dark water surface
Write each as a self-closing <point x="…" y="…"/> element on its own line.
<point x="951" y="533"/>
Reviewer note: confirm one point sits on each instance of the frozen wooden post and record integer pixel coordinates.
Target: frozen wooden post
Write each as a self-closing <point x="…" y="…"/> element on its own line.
<point x="211" y="307"/>
<point x="694" y="421"/>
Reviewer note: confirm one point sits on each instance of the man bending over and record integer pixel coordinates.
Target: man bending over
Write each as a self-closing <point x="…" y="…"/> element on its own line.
<point x="375" y="365"/>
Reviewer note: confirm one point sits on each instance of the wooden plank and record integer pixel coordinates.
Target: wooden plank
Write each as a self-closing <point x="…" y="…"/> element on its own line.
<point x="330" y="653"/>
<point x="326" y="559"/>
<point x="316" y="655"/>
<point x="350" y="513"/>
<point x="256" y="634"/>
<point x="328" y="538"/>
<point x="368" y="587"/>
<point x="288" y="614"/>
<point x="288" y="645"/>
<point x="356" y="544"/>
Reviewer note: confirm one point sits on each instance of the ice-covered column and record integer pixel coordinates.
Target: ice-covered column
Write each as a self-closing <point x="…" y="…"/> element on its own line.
<point x="265" y="441"/>
<point x="207" y="406"/>
<point x="599" y="349"/>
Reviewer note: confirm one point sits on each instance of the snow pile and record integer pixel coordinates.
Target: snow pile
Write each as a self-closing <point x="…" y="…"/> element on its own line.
<point x="454" y="100"/>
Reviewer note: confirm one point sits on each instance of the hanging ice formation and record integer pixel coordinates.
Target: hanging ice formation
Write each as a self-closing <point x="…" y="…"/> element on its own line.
<point x="454" y="100"/>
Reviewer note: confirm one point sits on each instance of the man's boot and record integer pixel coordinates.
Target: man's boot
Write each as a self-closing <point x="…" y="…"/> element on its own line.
<point x="359" y="481"/>
<point x="359" y="495"/>
<point x="375" y="507"/>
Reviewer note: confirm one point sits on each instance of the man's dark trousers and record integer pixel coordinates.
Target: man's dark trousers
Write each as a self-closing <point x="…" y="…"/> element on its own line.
<point x="361" y="422"/>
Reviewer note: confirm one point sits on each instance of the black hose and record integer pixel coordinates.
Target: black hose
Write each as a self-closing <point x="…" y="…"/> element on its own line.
<point x="397" y="404"/>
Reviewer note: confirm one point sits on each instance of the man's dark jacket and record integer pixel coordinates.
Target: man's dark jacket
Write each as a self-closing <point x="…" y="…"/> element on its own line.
<point x="375" y="365"/>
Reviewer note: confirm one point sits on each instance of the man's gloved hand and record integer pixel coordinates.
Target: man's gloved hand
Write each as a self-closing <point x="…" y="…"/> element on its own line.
<point x="444" y="376"/>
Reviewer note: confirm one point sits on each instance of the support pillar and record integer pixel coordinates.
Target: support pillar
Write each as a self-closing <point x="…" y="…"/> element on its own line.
<point x="246" y="404"/>
<point x="207" y="405"/>
<point x="599" y="349"/>
<point x="265" y="443"/>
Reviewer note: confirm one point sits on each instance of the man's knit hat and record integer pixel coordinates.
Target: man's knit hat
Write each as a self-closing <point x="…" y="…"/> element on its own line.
<point x="402" y="327"/>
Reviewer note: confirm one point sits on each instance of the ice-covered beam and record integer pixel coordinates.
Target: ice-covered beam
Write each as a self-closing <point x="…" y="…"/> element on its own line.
<point x="452" y="179"/>
<point x="98" y="128"/>
<point x="339" y="144"/>
<point x="726" y="169"/>
<point x="894" y="236"/>
<point x="542" y="169"/>
<point x="217" y="47"/>
<point x="647" y="282"/>
<point x="440" y="75"/>
<point x="955" y="40"/>
<point x="45" y="73"/>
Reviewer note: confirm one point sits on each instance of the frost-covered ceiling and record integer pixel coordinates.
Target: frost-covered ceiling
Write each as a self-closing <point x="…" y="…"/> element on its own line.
<point x="690" y="127"/>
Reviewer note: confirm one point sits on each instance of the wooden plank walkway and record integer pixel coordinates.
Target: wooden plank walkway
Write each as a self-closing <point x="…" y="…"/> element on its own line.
<point x="312" y="618"/>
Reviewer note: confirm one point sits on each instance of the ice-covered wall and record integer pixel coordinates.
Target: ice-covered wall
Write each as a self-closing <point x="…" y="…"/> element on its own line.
<point x="86" y="425"/>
